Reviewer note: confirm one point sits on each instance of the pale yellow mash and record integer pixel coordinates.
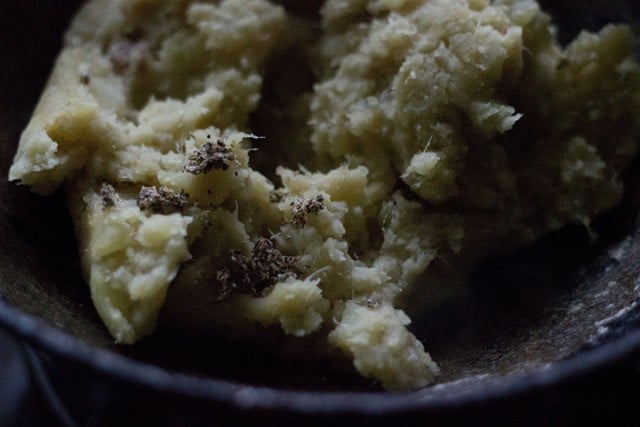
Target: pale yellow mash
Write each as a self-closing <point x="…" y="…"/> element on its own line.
<point x="431" y="133"/>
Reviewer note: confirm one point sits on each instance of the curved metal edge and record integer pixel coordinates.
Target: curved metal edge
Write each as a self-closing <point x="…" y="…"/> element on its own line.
<point x="47" y="389"/>
<point x="246" y="397"/>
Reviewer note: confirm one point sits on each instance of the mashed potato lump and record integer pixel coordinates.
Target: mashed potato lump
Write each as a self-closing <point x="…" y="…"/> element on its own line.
<point x="304" y="181"/>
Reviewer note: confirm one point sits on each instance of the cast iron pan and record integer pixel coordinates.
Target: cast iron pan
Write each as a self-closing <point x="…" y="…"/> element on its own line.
<point x="564" y="307"/>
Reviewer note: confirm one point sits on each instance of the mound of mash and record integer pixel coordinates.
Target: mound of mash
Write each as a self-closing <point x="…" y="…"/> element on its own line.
<point x="304" y="181"/>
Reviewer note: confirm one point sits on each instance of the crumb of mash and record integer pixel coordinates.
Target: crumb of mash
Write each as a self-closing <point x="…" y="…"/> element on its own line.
<point x="257" y="273"/>
<point x="210" y="156"/>
<point x="163" y="200"/>
<point x="435" y="132"/>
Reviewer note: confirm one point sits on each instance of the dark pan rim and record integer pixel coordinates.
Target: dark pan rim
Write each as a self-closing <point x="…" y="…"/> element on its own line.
<point x="114" y="366"/>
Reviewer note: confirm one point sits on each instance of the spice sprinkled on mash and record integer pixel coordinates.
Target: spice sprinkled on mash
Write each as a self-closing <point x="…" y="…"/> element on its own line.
<point x="261" y="174"/>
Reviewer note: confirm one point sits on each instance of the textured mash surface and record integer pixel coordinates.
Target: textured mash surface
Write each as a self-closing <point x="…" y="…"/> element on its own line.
<point x="435" y="132"/>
